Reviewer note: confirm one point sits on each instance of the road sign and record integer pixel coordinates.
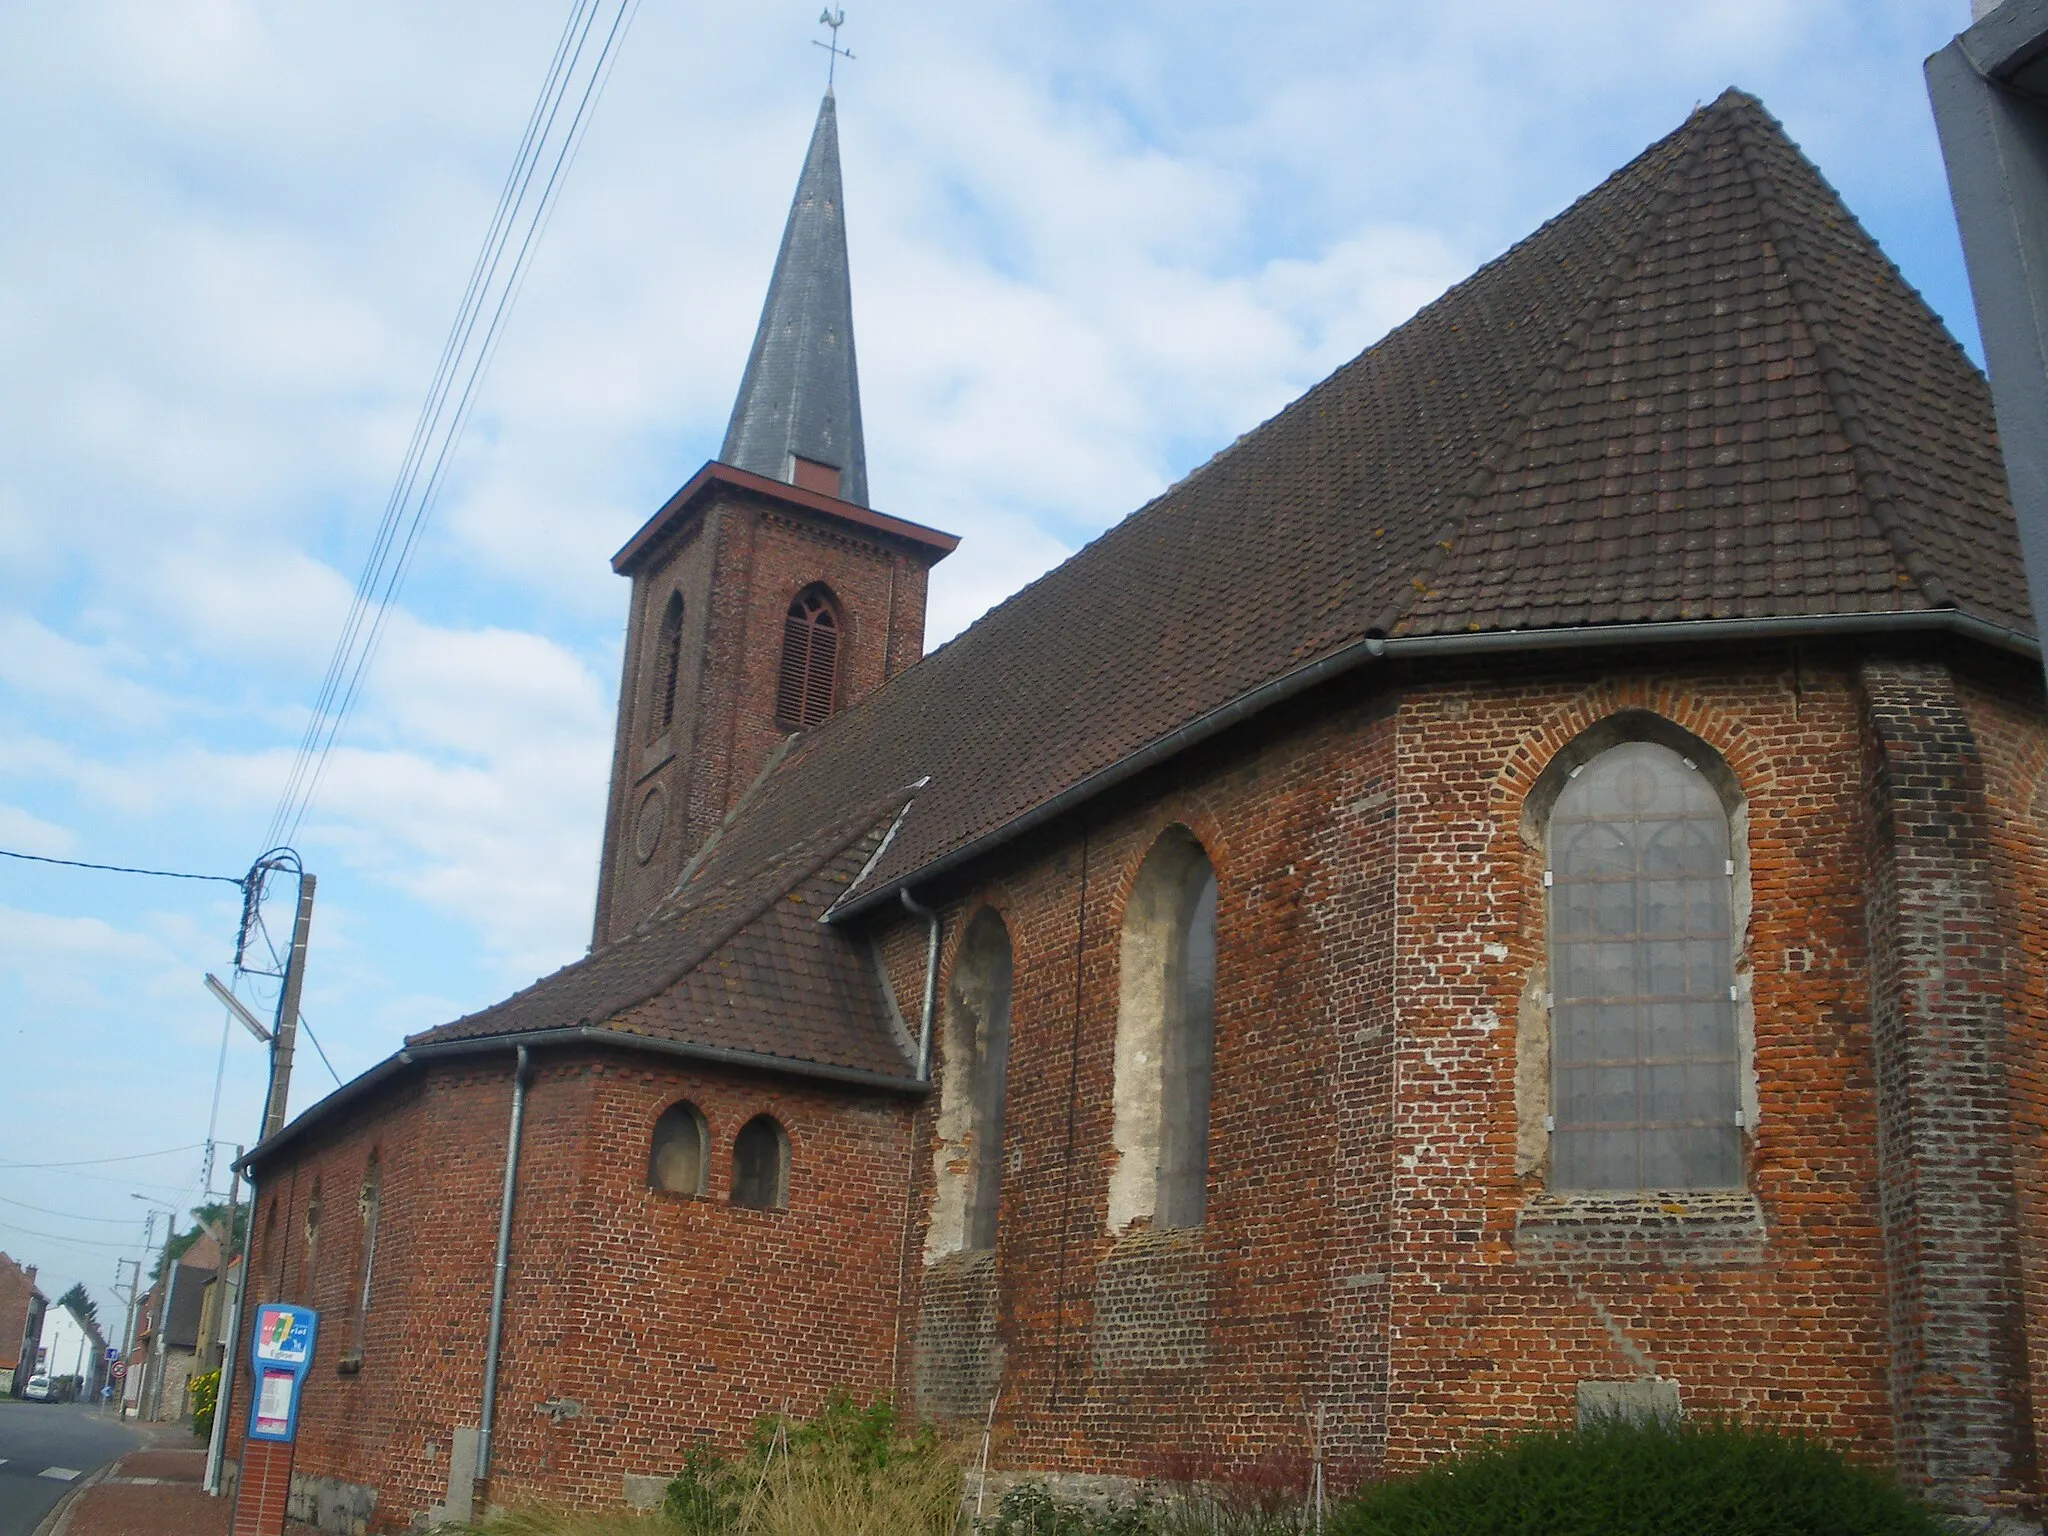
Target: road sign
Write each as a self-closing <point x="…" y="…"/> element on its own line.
<point x="113" y="1353"/>
<point x="120" y="1370"/>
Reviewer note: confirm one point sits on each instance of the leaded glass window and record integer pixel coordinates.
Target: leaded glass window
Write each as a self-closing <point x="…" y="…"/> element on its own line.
<point x="1644" y="1090"/>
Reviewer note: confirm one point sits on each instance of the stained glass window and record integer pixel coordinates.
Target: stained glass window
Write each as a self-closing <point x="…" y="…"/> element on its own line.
<point x="1643" y="1062"/>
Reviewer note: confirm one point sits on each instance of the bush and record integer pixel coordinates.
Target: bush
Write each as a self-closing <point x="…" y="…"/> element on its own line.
<point x="203" y="1392"/>
<point x="1703" y="1478"/>
<point x="852" y="1471"/>
<point x="1030" y="1510"/>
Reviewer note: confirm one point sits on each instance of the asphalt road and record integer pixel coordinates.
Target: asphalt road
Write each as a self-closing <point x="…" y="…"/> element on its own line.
<point x="52" y="1438"/>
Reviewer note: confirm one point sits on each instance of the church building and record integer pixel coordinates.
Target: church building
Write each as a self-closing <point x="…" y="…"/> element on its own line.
<point x="1518" y="889"/>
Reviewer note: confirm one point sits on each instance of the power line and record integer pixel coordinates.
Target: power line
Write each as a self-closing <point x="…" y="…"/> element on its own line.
<point x="44" y="1210"/>
<point x="75" y="1242"/>
<point x="118" y="869"/>
<point x="440" y="426"/>
<point x="319" y="1047"/>
<point x="95" y="1162"/>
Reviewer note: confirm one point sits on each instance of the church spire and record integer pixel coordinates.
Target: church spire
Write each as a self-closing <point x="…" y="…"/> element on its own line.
<point x="797" y="418"/>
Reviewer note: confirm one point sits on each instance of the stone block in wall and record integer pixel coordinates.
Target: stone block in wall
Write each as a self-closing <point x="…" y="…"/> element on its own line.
<point x="1152" y="1303"/>
<point x="1681" y="1229"/>
<point x="331" y="1505"/>
<point x="959" y="1356"/>
<point x="1628" y="1402"/>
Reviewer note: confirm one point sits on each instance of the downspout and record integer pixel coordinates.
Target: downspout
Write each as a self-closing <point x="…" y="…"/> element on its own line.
<point x="931" y="982"/>
<point x="483" y="1435"/>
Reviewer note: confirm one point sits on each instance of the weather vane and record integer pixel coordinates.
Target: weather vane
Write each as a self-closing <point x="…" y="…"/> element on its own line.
<point x="835" y="20"/>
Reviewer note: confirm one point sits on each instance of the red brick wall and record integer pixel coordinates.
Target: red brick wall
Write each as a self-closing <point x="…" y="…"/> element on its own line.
<point x="664" y="1319"/>
<point x="738" y="564"/>
<point x="1380" y="914"/>
<point x="17" y="1289"/>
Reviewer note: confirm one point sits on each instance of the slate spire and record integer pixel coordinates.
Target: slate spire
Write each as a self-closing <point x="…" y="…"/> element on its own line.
<point x="800" y="398"/>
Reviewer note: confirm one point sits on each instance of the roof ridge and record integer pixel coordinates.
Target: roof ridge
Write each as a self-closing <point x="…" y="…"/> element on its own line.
<point x="1458" y="518"/>
<point x="1873" y="474"/>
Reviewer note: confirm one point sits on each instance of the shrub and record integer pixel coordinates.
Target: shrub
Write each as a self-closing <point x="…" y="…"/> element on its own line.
<point x="1029" y="1509"/>
<point x="1703" y="1478"/>
<point x="851" y="1471"/>
<point x="203" y="1392"/>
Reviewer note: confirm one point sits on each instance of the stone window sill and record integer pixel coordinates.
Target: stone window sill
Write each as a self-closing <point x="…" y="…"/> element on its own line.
<point x="1665" y="1229"/>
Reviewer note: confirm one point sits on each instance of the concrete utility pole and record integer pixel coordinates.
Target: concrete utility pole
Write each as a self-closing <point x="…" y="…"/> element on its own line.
<point x="231" y="1277"/>
<point x="288" y="1014"/>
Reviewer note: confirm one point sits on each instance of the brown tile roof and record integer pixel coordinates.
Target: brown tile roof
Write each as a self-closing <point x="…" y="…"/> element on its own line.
<point x="736" y="962"/>
<point x="1699" y="392"/>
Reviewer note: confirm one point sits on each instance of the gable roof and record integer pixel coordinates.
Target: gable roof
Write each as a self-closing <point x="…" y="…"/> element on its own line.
<point x="738" y="963"/>
<point x="1699" y="394"/>
<point x="1699" y="401"/>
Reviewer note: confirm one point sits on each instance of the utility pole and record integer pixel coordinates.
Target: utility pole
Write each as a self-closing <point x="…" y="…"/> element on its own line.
<point x="235" y="1279"/>
<point x="288" y="1013"/>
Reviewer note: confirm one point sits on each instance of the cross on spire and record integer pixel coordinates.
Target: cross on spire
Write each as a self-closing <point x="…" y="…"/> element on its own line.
<point x="835" y="20"/>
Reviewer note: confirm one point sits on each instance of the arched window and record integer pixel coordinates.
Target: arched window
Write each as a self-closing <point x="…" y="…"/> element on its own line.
<point x="309" y="1256"/>
<point x="1644" y="1083"/>
<point x="760" y="1165"/>
<point x="810" y="659"/>
<point x="1165" y="1038"/>
<point x="678" y="1153"/>
<point x="372" y="1198"/>
<point x="968" y="1161"/>
<point x="668" y="660"/>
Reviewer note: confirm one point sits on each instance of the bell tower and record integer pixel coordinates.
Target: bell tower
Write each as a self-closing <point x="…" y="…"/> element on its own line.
<point x="767" y="596"/>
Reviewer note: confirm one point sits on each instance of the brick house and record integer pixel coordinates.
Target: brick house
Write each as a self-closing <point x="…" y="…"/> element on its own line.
<point x="1515" y="888"/>
<point x="21" y="1325"/>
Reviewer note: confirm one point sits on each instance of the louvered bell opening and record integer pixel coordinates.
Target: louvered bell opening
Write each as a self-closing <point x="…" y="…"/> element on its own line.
<point x="810" y="662"/>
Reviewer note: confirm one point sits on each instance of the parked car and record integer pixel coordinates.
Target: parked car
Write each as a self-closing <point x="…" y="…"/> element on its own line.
<point x="40" y="1389"/>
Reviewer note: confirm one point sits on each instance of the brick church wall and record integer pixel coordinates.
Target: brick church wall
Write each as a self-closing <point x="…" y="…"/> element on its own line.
<point x="1377" y="1244"/>
<point x="663" y="1319"/>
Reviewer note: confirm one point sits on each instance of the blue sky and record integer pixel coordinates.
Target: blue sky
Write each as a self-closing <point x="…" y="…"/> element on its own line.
<point x="1090" y="246"/>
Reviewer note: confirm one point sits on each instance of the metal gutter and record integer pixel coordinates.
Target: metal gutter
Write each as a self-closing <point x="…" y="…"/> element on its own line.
<point x="1400" y="647"/>
<point x="499" y="1269"/>
<point x="931" y="981"/>
<point x="391" y="1066"/>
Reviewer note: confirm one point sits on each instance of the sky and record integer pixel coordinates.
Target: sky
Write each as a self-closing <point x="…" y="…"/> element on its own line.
<point x="1090" y="246"/>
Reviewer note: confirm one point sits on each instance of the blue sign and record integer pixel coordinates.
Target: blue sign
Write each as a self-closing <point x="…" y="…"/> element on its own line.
<point x="113" y="1353"/>
<point x="282" y="1353"/>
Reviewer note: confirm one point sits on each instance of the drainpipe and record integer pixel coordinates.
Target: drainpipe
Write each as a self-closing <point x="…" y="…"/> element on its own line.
<point x="483" y="1434"/>
<point x="931" y="982"/>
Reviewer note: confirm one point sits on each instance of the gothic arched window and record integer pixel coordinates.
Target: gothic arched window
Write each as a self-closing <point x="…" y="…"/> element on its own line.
<point x="968" y="1161"/>
<point x="1644" y="1083"/>
<point x="366" y="1265"/>
<point x="1165" y="1038"/>
<point x="668" y="661"/>
<point x="810" y="659"/>
<point x="760" y="1165"/>
<point x="677" y="1152"/>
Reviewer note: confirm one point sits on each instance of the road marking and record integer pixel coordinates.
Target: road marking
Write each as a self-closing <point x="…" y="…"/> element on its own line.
<point x="61" y="1474"/>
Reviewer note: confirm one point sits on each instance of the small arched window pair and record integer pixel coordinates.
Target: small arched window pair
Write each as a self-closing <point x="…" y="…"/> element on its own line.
<point x="1165" y="1042"/>
<point x="806" y="686"/>
<point x="678" y="1158"/>
<point x="1645" y="1092"/>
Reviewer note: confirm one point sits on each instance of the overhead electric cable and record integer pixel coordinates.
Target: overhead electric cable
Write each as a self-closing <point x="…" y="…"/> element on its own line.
<point x="319" y="1047"/>
<point x="401" y="489"/>
<point x="95" y="1162"/>
<point x="117" y="869"/>
<point x="440" y="427"/>
<point x="44" y="1210"/>
<point x="75" y="1242"/>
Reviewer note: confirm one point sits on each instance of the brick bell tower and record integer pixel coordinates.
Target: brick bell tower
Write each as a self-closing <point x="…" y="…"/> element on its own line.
<point x="767" y="594"/>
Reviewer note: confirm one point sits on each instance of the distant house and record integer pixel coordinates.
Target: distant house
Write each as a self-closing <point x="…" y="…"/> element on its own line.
<point x="73" y="1346"/>
<point x="167" y="1352"/>
<point x="21" y="1324"/>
